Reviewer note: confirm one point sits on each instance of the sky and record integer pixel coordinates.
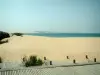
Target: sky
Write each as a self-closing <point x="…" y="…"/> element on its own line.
<point x="69" y="16"/>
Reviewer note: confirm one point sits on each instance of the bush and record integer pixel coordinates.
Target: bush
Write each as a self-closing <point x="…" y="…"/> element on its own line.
<point x="4" y="35"/>
<point x="17" y="34"/>
<point x="39" y="62"/>
<point x="32" y="61"/>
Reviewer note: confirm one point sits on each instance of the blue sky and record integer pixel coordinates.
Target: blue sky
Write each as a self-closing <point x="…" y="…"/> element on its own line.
<point x="70" y="16"/>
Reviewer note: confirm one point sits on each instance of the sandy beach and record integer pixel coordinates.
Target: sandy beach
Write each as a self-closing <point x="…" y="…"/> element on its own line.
<point x="52" y="47"/>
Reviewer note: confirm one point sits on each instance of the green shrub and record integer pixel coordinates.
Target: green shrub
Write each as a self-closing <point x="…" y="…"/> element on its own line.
<point x="32" y="61"/>
<point x="39" y="62"/>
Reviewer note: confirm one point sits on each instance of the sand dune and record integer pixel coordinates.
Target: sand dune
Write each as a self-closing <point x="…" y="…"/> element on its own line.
<point x="52" y="48"/>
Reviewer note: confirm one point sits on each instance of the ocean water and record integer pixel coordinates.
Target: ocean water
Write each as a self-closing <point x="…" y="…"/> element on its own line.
<point x="65" y="34"/>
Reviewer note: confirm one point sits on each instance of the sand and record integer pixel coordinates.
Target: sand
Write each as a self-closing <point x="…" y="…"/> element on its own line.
<point x="52" y="47"/>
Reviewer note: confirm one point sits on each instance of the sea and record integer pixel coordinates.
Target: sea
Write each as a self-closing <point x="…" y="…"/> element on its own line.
<point x="65" y="34"/>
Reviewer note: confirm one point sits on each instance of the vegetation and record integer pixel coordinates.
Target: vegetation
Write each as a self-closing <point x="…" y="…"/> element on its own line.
<point x="32" y="61"/>
<point x="17" y="34"/>
<point x="4" y="35"/>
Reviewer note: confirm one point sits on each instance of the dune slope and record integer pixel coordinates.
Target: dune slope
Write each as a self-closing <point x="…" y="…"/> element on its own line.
<point x="52" y="48"/>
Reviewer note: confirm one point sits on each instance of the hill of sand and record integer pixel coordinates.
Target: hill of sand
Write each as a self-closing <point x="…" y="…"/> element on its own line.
<point x="51" y="47"/>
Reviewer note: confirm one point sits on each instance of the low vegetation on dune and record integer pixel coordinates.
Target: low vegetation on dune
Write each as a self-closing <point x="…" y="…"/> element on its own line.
<point x="32" y="61"/>
<point x="4" y="35"/>
<point x="18" y="34"/>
